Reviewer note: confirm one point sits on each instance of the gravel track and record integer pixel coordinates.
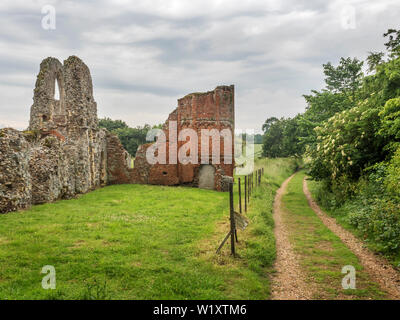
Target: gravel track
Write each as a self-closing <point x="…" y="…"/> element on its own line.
<point x="379" y="269"/>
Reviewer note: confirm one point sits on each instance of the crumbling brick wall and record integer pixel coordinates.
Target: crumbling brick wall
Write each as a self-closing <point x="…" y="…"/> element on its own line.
<point x="197" y="111"/>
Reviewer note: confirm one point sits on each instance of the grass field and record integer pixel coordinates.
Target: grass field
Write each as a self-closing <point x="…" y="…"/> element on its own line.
<point x="258" y="150"/>
<point x="322" y="253"/>
<point x="140" y="242"/>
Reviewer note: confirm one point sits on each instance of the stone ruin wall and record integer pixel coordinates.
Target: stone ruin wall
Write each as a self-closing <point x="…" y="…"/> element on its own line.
<point x="64" y="152"/>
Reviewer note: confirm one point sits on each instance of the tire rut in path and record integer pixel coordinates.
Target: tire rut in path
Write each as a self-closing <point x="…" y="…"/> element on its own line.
<point x="289" y="282"/>
<point x="377" y="267"/>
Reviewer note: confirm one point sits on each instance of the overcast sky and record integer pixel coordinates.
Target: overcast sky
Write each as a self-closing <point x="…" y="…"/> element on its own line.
<point x="144" y="55"/>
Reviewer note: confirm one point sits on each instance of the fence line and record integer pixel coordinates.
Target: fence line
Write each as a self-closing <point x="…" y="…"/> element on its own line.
<point x="249" y="184"/>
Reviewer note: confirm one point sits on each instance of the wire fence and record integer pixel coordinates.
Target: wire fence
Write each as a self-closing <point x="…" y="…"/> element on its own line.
<point x="238" y="219"/>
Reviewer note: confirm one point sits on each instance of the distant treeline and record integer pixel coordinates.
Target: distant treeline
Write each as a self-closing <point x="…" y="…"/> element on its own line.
<point x="257" y="138"/>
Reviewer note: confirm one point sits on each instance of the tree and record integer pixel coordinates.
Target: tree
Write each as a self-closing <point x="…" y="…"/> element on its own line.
<point x="347" y="144"/>
<point x="393" y="45"/>
<point x="281" y="137"/>
<point x="268" y="123"/>
<point x="290" y="140"/>
<point x="345" y="78"/>
<point x="131" y="138"/>
<point x="320" y="107"/>
<point x="273" y="135"/>
<point x="112" y="125"/>
<point x="374" y="60"/>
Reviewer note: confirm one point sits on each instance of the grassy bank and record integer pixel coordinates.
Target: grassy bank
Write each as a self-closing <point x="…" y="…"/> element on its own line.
<point x="322" y="254"/>
<point x="371" y="215"/>
<point x="139" y="242"/>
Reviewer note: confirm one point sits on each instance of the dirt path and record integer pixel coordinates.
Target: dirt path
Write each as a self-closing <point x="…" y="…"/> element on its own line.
<point x="289" y="282"/>
<point x="377" y="267"/>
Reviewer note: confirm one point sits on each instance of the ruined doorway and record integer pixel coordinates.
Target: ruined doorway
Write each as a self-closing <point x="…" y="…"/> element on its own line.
<point x="207" y="177"/>
<point x="103" y="169"/>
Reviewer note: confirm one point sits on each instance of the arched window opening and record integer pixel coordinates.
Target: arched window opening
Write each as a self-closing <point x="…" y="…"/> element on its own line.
<point x="56" y="91"/>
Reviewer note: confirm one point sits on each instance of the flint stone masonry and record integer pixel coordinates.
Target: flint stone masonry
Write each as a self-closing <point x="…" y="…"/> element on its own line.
<point x="64" y="152"/>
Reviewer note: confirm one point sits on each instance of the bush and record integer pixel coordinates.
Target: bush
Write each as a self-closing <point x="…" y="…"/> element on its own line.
<point x="380" y="224"/>
<point x="346" y="144"/>
<point x="393" y="176"/>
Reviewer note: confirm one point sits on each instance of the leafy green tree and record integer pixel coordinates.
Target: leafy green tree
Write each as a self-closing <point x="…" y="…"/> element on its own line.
<point x="290" y="140"/>
<point x="356" y="139"/>
<point x="273" y="135"/>
<point x="390" y="128"/>
<point x="345" y="78"/>
<point x="131" y="138"/>
<point x="281" y="138"/>
<point x="393" y="45"/>
<point x="112" y="125"/>
<point x="393" y="175"/>
<point x="374" y="60"/>
<point x="268" y="123"/>
<point x="320" y="107"/>
<point x="342" y="84"/>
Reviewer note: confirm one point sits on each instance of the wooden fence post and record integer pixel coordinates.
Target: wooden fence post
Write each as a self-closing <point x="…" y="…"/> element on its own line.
<point x="245" y="194"/>
<point x="232" y="216"/>
<point x="240" y="197"/>
<point x="249" y="186"/>
<point x="256" y="179"/>
<point x="256" y="182"/>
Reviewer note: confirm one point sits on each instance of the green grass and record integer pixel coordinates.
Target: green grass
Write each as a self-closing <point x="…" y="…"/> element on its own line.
<point x="139" y="242"/>
<point x="322" y="253"/>
<point x="257" y="150"/>
<point x="342" y="214"/>
<point x="257" y="246"/>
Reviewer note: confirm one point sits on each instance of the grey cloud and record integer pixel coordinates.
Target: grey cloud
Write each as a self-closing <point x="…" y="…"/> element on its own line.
<point x="121" y="85"/>
<point x="147" y="54"/>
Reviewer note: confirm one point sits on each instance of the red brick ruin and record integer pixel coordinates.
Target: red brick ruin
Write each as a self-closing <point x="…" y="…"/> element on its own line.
<point x="213" y="110"/>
